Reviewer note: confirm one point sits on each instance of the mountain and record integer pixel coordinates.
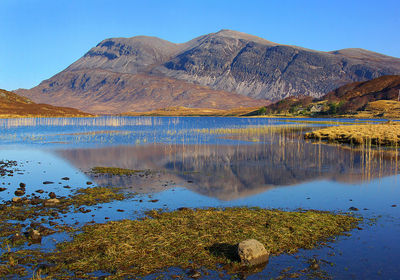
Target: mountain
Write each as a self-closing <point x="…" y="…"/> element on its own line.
<point x="13" y="105"/>
<point x="373" y="98"/>
<point x="221" y="70"/>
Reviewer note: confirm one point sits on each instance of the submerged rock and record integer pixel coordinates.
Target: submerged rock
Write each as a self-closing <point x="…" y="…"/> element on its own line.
<point x="47" y="182"/>
<point x="252" y="252"/>
<point x="51" y="202"/>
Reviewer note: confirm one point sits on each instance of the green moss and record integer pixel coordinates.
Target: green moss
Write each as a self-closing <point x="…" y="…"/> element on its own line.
<point x="95" y="195"/>
<point x="192" y="238"/>
<point x="114" y="171"/>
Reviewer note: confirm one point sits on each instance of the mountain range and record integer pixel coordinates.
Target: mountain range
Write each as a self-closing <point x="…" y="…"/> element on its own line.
<point x="222" y="70"/>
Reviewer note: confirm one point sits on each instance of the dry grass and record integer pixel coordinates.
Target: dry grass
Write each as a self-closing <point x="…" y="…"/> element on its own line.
<point x="191" y="238"/>
<point x="386" y="134"/>
<point x="253" y="130"/>
<point x="15" y="106"/>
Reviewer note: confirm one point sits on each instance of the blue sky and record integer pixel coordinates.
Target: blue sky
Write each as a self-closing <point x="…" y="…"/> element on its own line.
<point x="39" y="38"/>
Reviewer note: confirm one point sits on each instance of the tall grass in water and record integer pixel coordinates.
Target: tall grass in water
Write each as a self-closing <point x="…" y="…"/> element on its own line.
<point x="94" y="122"/>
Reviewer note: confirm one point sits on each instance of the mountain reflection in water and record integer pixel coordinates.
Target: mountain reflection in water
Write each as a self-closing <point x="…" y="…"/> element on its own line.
<point x="229" y="172"/>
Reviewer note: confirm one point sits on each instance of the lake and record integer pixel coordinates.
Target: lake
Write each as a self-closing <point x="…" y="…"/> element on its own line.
<point x="201" y="162"/>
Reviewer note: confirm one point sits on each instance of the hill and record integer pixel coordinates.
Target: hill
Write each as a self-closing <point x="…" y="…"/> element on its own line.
<point x="13" y="105"/>
<point x="221" y="70"/>
<point x="374" y="98"/>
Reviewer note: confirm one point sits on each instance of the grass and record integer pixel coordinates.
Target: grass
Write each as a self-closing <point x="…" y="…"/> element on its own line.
<point x="190" y="239"/>
<point x="385" y="134"/>
<point x="95" y="195"/>
<point x="114" y="171"/>
<point x="253" y="130"/>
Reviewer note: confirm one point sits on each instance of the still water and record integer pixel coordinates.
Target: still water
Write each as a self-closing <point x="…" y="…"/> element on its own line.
<point x="207" y="162"/>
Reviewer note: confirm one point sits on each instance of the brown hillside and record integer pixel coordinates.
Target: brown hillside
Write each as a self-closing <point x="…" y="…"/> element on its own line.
<point x="356" y="96"/>
<point x="370" y="99"/>
<point x="13" y="105"/>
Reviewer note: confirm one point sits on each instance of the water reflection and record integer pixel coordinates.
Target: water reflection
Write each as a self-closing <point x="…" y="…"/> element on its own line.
<point x="232" y="171"/>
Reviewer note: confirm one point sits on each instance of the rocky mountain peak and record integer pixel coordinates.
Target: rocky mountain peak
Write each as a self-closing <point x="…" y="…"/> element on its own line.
<point x="241" y="36"/>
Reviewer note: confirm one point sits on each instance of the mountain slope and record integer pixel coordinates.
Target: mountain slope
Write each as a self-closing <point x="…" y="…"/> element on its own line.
<point x="374" y="98"/>
<point x="101" y="91"/>
<point x="111" y="77"/>
<point x="13" y="105"/>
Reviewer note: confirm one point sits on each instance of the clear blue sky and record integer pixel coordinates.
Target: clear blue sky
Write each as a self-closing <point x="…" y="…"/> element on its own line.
<point x="39" y="38"/>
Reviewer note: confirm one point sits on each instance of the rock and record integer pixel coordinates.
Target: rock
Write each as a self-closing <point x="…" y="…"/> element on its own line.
<point x="52" y="195"/>
<point x="84" y="210"/>
<point x="16" y="199"/>
<point x="3" y="189"/>
<point x="51" y="202"/>
<point x="22" y="185"/>
<point x="34" y="235"/>
<point x="65" y="178"/>
<point x="353" y="209"/>
<point x="89" y="183"/>
<point x="40" y="191"/>
<point x="47" y="182"/>
<point x="252" y="252"/>
<point x="19" y="192"/>
<point x="194" y="274"/>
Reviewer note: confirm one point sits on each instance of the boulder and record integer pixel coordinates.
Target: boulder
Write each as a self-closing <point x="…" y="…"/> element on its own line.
<point x="252" y="252"/>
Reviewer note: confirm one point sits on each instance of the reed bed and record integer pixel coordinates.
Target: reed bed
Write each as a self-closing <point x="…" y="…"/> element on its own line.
<point x="387" y="134"/>
<point x="93" y="121"/>
<point x="253" y="130"/>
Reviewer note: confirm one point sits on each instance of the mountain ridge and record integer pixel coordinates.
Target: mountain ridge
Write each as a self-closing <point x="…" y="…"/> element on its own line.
<point x="226" y="61"/>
